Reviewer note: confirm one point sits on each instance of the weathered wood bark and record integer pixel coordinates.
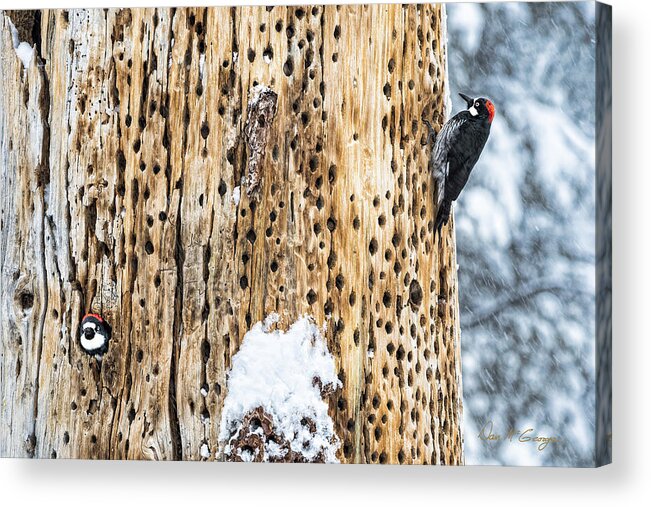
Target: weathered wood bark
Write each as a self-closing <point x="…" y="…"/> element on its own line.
<point x="124" y="146"/>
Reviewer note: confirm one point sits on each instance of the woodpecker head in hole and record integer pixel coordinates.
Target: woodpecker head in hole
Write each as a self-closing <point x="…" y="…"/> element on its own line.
<point x="480" y="108"/>
<point x="95" y="334"/>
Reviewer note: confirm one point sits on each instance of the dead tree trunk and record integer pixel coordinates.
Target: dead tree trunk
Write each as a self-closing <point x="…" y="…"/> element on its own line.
<point x="139" y="181"/>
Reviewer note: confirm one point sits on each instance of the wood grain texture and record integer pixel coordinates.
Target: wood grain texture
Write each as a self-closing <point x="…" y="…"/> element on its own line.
<point x="123" y="151"/>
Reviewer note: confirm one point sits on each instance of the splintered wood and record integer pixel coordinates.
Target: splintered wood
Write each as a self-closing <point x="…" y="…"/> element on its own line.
<point x="138" y="181"/>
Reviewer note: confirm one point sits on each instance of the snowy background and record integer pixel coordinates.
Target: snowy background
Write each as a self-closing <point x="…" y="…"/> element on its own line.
<point x="525" y="230"/>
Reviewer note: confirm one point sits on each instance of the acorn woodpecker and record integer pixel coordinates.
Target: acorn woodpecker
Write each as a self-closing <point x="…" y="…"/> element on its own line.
<point x="456" y="150"/>
<point x="95" y="334"/>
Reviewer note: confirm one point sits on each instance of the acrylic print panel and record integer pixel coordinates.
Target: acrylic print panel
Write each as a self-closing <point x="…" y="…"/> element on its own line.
<point x="261" y="233"/>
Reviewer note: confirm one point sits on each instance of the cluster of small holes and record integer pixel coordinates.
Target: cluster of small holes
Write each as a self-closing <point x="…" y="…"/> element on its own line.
<point x="399" y="318"/>
<point x="405" y="357"/>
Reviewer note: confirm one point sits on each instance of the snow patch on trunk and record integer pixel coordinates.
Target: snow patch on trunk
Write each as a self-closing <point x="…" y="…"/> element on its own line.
<point x="23" y="49"/>
<point x="236" y="196"/>
<point x="202" y="64"/>
<point x="274" y="409"/>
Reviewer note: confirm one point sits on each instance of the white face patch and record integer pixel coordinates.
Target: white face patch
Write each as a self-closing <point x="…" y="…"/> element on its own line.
<point x="96" y="341"/>
<point x="473" y="111"/>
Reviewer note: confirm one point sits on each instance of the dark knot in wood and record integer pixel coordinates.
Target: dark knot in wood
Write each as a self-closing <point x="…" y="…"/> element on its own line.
<point x="259" y="116"/>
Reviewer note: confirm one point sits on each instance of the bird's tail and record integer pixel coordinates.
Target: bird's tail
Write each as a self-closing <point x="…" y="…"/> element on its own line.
<point x="443" y="214"/>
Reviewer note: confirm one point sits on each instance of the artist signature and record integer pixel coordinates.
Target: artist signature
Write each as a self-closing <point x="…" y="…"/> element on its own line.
<point x="517" y="436"/>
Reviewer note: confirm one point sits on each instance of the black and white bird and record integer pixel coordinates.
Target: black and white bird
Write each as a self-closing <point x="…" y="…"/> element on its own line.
<point x="456" y="150"/>
<point x="95" y="334"/>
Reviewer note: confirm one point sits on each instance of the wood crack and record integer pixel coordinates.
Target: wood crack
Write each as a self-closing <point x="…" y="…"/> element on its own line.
<point x="177" y="329"/>
<point x="42" y="183"/>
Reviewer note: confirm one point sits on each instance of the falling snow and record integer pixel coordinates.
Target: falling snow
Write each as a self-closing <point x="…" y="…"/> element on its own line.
<point x="525" y="229"/>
